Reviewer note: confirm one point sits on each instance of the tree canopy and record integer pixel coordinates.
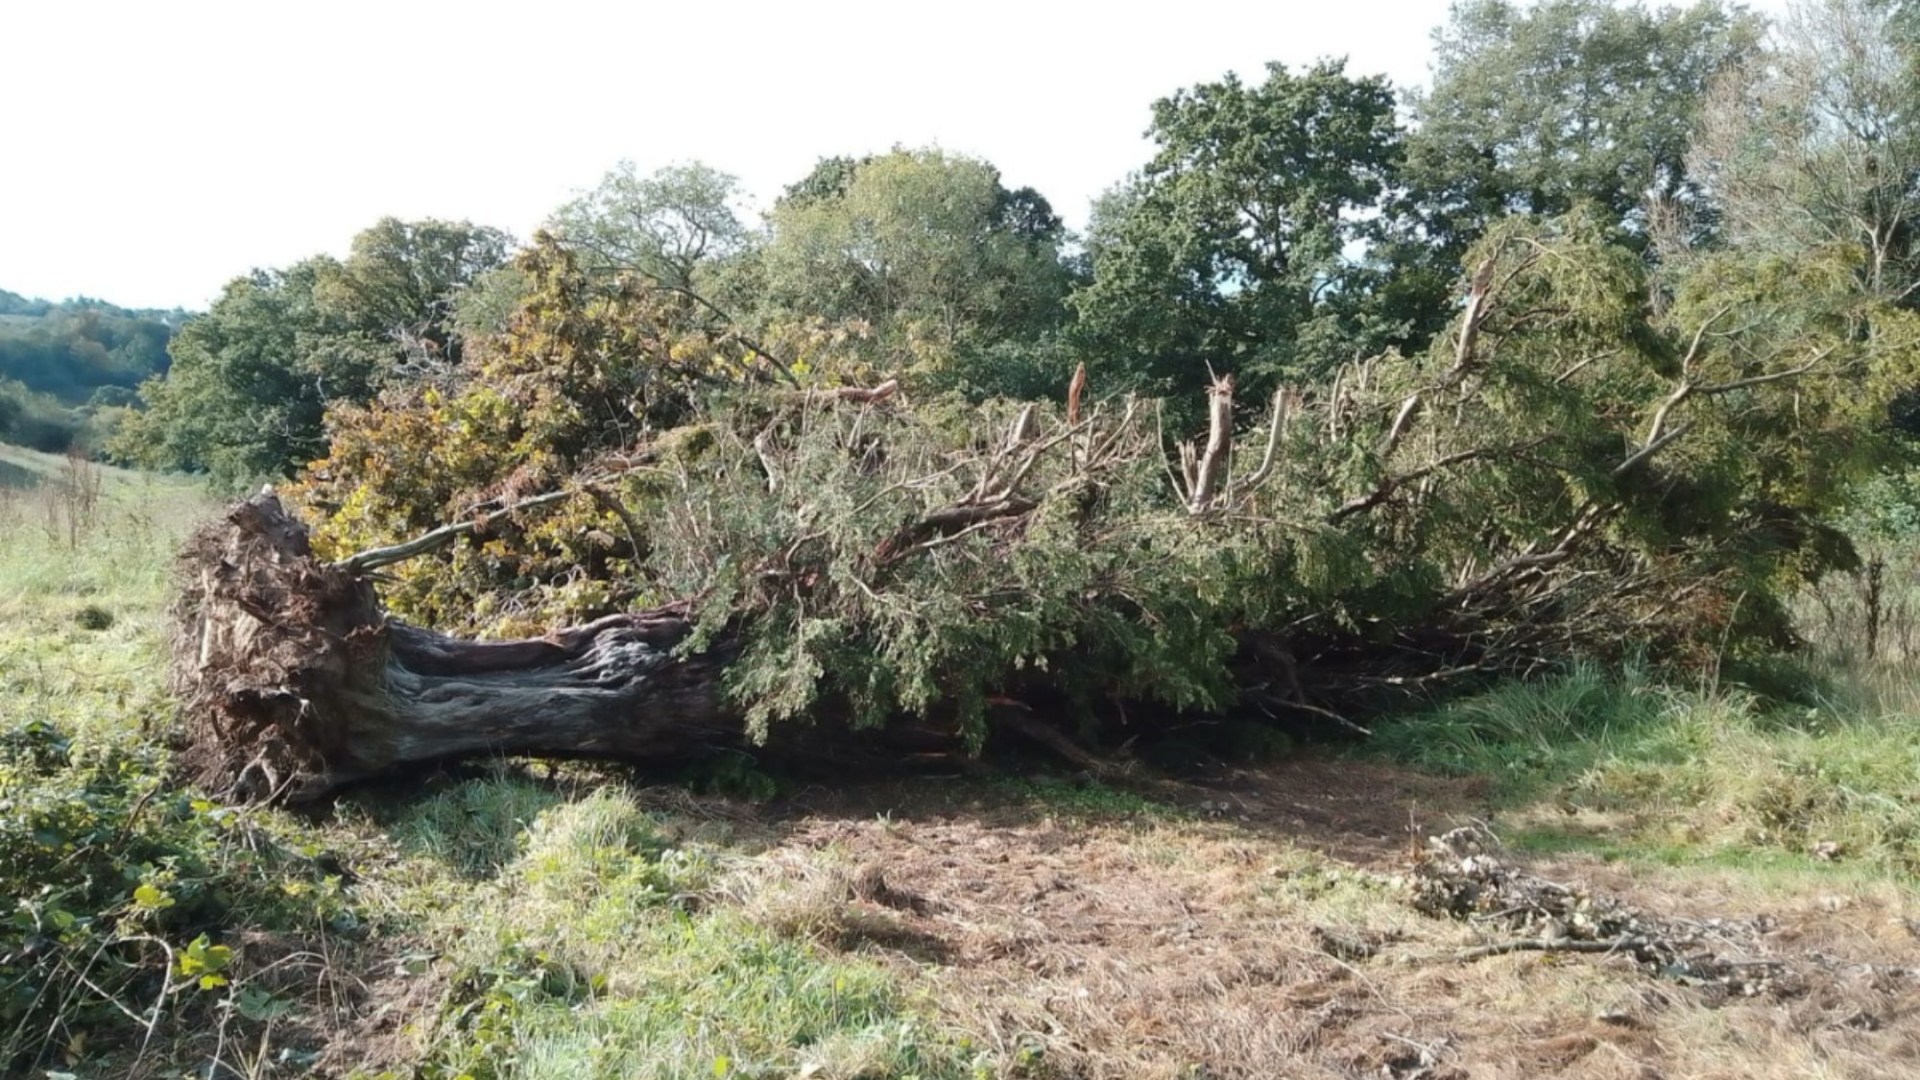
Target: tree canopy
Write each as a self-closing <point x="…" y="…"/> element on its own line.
<point x="1536" y="108"/>
<point x="1233" y="249"/>
<point x="252" y="379"/>
<point x="1815" y="145"/>
<point x="671" y="225"/>
<point x="926" y="251"/>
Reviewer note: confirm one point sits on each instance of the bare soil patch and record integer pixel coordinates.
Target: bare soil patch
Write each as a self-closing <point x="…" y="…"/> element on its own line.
<point x="1263" y="928"/>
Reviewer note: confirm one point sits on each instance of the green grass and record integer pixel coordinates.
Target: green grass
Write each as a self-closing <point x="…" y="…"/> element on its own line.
<point x="579" y="941"/>
<point x="1615" y="764"/>
<point x="62" y="567"/>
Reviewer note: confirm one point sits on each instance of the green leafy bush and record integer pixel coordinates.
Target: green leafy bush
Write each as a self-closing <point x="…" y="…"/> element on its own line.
<point x="121" y="891"/>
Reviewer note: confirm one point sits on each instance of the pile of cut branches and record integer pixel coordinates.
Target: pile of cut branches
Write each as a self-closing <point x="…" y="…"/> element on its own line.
<point x="1463" y="875"/>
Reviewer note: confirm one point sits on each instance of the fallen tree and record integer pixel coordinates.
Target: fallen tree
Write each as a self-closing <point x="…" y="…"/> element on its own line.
<point x="844" y="574"/>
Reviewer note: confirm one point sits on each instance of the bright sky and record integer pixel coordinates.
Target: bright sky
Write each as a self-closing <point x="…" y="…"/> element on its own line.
<point x="158" y="149"/>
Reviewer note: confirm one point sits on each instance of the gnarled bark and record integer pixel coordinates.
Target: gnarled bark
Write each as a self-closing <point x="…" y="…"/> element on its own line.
<point x="294" y="681"/>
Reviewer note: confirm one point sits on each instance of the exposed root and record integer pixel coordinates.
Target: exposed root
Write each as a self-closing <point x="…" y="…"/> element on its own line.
<point x="293" y="681"/>
<point x="260" y="629"/>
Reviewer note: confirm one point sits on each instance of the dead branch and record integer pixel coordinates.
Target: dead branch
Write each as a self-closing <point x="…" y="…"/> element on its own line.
<point x="1641" y="455"/>
<point x="1025" y="426"/>
<point x="1570" y="945"/>
<point x="1018" y="718"/>
<point x="372" y="559"/>
<point x="1209" y="472"/>
<point x="853" y="395"/>
<point x="1399" y="428"/>
<point x="947" y="522"/>
<point x="1276" y="433"/>
<point x="618" y="509"/>
<point x="1532" y="559"/>
<point x="1478" y="295"/>
<point x="763" y="449"/>
<point x="1392" y="483"/>
<point x="1689" y="389"/>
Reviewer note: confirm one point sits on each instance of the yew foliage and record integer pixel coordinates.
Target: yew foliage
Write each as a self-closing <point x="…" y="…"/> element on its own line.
<point x="1566" y="472"/>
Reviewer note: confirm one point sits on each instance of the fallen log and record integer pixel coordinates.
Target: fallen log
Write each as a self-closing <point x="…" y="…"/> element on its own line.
<point x="293" y="681"/>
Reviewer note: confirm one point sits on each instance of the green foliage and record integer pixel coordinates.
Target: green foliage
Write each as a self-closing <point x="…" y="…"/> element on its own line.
<point x="926" y="250"/>
<point x="252" y="378"/>
<point x="1230" y="251"/>
<point x="1535" y="109"/>
<point x="889" y="633"/>
<point x="117" y="883"/>
<point x="590" y="366"/>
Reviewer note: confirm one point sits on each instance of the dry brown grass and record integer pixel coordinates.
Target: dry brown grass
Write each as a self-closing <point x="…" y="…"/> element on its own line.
<point x="1272" y="938"/>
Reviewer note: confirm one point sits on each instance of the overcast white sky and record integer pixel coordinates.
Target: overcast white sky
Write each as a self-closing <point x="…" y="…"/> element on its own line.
<point x="156" y="149"/>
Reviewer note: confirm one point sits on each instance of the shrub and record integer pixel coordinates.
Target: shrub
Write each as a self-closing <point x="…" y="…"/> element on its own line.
<point x="120" y="890"/>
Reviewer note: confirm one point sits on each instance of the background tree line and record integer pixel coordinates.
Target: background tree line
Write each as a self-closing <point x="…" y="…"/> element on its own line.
<point x="1283" y="226"/>
<point x="69" y="369"/>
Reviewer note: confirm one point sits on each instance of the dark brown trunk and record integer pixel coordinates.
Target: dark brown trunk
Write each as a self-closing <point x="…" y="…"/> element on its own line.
<point x="1876" y="586"/>
<point x="294" y="681"/>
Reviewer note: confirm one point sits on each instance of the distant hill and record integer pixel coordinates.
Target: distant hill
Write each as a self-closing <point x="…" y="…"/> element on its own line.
<point x="72" y="348"/>
<point x="66" y="366"/>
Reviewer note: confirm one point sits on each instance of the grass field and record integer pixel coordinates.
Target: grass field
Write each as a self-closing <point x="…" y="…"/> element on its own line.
<point x="511" y="919"/>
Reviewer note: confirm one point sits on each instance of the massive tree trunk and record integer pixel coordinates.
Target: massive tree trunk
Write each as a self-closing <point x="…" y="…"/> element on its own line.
<point x="294" y="681"/>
